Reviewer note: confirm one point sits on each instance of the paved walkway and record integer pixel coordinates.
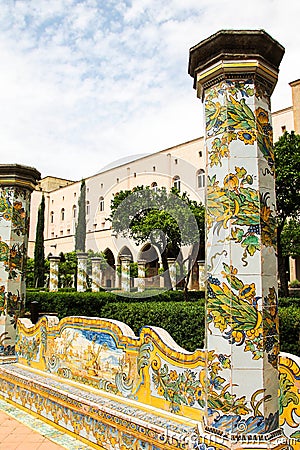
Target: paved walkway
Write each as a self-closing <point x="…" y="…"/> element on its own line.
<point x="21" y="431"/>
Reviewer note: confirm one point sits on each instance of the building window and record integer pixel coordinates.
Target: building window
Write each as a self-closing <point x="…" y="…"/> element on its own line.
<point x="68" y="231"/>
<point x="74" y="211"/>
<point x="101" y="204"/>
<point x="118" y="180"/>
<point x="62" y="214"/>
<point x="200" y="178"/>
<point x="200" y="154"/>
<point x="52" y="217"/>
<point x="134" y="174"/>
<point x="87" y="208"/>
<point x="283" y="128"/>
<point x="176" y="182"/>
<point x="63" y="198"/>
<point x="176" y="161"/>
<point x="52" y="234"/>
<point x="61" y="232"/>
<point x="154" y="168"/>
<point x="101" y="185"/>
<point x="74" y="194"/>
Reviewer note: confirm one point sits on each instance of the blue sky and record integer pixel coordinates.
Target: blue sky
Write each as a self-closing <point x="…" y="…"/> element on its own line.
<point x="83" y="83"/>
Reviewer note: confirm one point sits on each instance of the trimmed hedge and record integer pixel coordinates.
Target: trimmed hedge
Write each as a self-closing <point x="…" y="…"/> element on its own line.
<point x="184" y="320"/>
<point x="289" y="321"/>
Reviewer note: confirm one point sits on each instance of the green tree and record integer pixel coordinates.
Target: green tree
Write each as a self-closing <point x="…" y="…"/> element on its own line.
<point x="80" y="232"/>
<point x="167" y="220"/>
<point x="290" y="238"/>
<point x="39" y="252"/>
<point x="30" y="273"/>
<point x="67" y="269"/>
<point x="287" y="163"/>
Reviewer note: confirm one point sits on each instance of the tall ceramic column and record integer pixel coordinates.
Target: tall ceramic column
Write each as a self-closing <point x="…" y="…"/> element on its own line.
<point x="235" y="73"/>
<point x="201" y="275"/>
<point x="172" y="271"/>
<point x="96" y="273"/>
<point x="16" y="184"/>
<point x="125" y="273"/>
<point x="54" y="270"/>
<point x="81" y="271"/>
<point x="141" y="275"/>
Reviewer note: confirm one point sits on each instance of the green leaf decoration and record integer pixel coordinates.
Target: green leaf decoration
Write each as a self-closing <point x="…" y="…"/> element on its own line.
<point x="251" y="244"/>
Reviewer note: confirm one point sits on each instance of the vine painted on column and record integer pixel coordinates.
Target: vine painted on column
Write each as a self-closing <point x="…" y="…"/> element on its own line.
<point x="233" y="309"/>
<point x="235" y="120"/>
<point x="236" y="202"/>
<point x="13" y="210"/>
<point x="12" y="257"/>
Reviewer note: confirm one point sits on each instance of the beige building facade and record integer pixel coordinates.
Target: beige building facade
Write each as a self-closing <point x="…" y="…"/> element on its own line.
<point x="182" y="166"/>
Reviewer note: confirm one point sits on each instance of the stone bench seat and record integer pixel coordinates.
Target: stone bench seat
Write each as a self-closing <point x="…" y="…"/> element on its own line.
<point x="87" y="413"/>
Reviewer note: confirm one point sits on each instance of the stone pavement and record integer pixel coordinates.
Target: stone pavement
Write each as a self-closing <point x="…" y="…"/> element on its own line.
<point x="21" y="431"/>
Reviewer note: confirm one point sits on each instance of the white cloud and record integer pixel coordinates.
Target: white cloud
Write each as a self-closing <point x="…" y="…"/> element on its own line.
<point x="86" y="82"/>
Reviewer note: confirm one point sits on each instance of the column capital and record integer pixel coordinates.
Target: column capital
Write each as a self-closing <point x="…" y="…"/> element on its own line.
<point x="142" y="262"/>
<point x="19" y="175"/>
<point x="228" y="53"/>
<point x="96" y="259"/>
<point x="54" y="259"/>
<point x="125" y="258"/>
<point x="171" y="260"/>
<point x="81" y="255"/>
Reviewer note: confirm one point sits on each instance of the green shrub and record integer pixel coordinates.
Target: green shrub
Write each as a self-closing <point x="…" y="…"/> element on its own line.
<point x="184" y="320"/>
<point x="289" y="324"/>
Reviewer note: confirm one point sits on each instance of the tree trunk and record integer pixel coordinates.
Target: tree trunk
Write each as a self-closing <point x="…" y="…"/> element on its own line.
<point x="283" y="278"/>
<point x="187" y="279"/>
<point x="166" y="274"/>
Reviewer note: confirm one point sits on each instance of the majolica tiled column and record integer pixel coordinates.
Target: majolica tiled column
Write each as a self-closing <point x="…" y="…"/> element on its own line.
<point x="235" y="73"/>
<point x="54" y="270"/>
<point x="172" y="272"/>
<point x="125" y="273"/>
<point x="96" y="273"/>
<point x="141" y="275"/>
<point x="81" y="271"/>
<point x="201" y="275"/>
<point x="16" y="184"/>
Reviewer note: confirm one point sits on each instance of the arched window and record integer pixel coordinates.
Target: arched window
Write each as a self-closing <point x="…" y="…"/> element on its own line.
<point x="74" y="211"/>
<point x="62" y="214"/>
<point x="154" y="186"/>
<point x="87" y="208"/>
<point x="176" y="182"/>
<point x="52" y="217"/>
<point x="101" y="204"/>
<point x="201" y="178"/>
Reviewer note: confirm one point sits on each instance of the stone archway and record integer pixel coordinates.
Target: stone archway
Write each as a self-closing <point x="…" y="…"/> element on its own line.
<point x="149" y="254"/>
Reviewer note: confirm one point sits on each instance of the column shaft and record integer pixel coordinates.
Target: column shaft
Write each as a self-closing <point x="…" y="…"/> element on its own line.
<point x="235" y="73"/>
<point x="16" y="185"/>
<point x="125" y="274"/>
<point x="54" y="271"/>
<point x="81" y="272"/>
<point x="141" y="275"/>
